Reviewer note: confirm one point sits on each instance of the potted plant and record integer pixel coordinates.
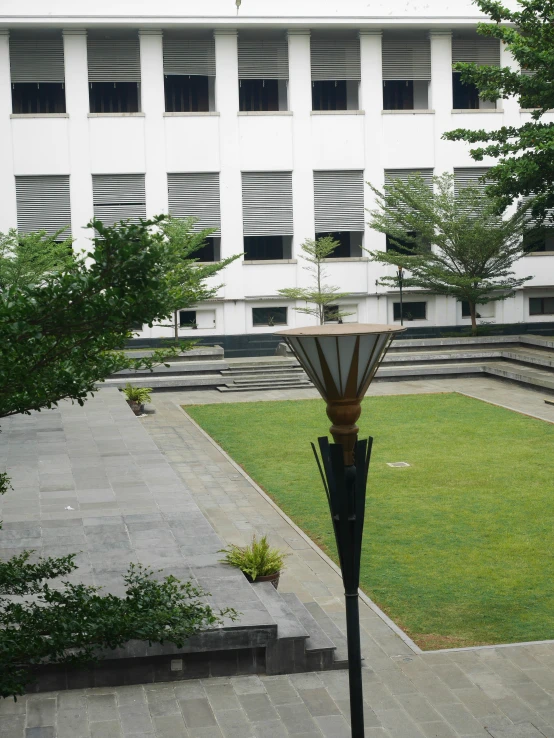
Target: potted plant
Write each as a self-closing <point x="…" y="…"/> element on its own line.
<point x="136" y="397"/>
<point x="259" y="562"/>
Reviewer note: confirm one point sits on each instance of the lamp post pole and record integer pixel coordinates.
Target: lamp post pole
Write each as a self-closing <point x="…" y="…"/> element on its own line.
<point x="400" y="282"/>
<point x="341" y="361"/>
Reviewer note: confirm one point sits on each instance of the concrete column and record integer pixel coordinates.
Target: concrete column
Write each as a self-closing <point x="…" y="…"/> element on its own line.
<point x="227" y="103"/>
<point x="300" y="96"/>
<point x="371" y="101"/>
<point x="8" y="211"/>
<point x="77" y="106"/>
<point x="512" y="116"/>
<point x="153" y="106"/>
<point x="441" y="97"/>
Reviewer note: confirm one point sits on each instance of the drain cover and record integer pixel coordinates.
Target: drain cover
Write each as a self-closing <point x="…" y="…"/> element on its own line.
<point x="397" y="463"/>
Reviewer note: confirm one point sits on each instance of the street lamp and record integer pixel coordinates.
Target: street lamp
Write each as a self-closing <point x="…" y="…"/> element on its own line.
<point x="341" y="361"/>
<point x="400" y="282"/>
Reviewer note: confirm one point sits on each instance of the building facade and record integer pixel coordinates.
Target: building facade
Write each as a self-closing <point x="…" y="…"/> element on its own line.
<point x="265" y="124"/>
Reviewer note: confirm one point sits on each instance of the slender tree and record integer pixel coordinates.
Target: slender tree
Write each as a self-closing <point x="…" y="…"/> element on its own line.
<point x="449" y="242"/>
<point x="525" y="154"/>
<point x="187" y="277"/>
<point x="319" y="296"/>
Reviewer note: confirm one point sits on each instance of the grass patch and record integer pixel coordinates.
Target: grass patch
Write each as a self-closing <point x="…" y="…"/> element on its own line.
<point x="458" y="548"/>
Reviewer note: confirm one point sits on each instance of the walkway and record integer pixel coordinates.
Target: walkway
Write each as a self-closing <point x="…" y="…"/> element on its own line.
<point x="500" y="692"/>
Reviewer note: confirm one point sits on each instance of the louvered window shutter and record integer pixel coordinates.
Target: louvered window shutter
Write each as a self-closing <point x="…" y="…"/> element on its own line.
<point x="339" y="201"/>
<point x="470" y="177"/>
<point x="189" y="57"/>
<point x="196" y="195"/>
<point x="406" y="60"/>
<point x="37" y="60"/>
<point x="113" y="60"/>
<point x="404" y="174"/>
<point x="267" y="203"/>
<point x="482" y="51"/>
<point x="43" y="204"/>
<point x="263" y="59"/>
<point x="335" y="59"/>
<point x="118" y="197"/>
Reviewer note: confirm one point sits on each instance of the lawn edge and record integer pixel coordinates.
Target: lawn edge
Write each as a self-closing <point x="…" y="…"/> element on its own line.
<point x="363" y="597"/>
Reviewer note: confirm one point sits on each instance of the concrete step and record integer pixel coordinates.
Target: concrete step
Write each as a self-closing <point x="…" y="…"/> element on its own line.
<point x="288" y="625"/>
<point x="263" y="387"/>
<point x="332" y="631"/>
<point x="267" y="379"/>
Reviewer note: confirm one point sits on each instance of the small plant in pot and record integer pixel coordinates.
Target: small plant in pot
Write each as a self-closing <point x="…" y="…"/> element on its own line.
<point x="259" y="562"/>
<point x="136" y="397"/>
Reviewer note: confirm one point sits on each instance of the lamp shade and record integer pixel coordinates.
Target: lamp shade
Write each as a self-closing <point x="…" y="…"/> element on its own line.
<point x="341" y="360"/>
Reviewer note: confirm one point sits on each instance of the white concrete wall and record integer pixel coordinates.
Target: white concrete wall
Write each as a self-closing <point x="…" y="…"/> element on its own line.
<point x="154" y="142"/>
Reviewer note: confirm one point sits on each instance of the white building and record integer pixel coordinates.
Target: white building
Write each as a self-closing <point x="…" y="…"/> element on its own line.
<point x="264" y="123"/>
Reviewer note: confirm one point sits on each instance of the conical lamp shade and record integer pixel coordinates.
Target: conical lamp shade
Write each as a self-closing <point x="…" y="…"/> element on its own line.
<point x="341" y="360"/>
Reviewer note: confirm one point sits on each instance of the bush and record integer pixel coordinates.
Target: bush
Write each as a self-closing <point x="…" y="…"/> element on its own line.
<point x="137" y="394"/>
<point x="256" y="560"/>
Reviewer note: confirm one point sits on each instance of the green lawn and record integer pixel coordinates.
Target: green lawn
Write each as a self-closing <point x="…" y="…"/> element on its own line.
<point x="458" y="548"/>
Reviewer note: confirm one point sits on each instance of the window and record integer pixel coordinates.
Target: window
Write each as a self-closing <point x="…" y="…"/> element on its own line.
<point x="267" y="215"/>
<point x="196" y="194"/>
<point x="336" y="73"/>
<point x="43" y="204"/>
<point x="331" y="314"/>
<point x="269" y="316"/>
<point x="118" y="197"/>
<point x="37" y="75"/>
<point x="540" y="240"/>
<point x="189" y="75"/>
<point x="482" y="51"/>
<point x="400" y="245"/>
<point x="267" y="248"/>
<point x="541" y="306"/>
<point x="411" y="310"/>
<point x="114" y="75"/>
<point x="406" y="74"/>
<point x="339" y="209"/>
<point x="187" y="319"/>
<point x="470" y="177"/>
<point x="263" y="74"/>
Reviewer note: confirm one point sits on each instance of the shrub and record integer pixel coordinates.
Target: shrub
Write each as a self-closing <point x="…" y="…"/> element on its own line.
<point x="137" y="394"/>
<point x="256" y="560"/>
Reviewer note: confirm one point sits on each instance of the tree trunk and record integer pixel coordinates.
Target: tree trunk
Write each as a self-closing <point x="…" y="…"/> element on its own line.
<point x="176" y="324"/>
<point x="473" y="314"/>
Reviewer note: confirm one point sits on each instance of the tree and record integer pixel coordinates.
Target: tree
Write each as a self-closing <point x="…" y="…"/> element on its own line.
<point x="62" y="326"/>
<point x="451" y="243"/>
<point x="321" y="296"/>
<point x="26" y="257"/>
<point x="61" y="337"/>
<point x="525" y="154"/>
<point x="187" y="277"/>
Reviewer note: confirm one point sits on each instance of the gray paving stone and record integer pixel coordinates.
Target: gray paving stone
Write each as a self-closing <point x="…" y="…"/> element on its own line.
<point x="170" y="726"/>
<point x="197" y="713"/>
<point x="72" y="724"/>
<point x="41" y="712"/>
<point x="319" y="702"/>
<point x="106" y="729"/>
<point x="333" y="727"/>
<point x="102" y="707"/>
<point x="258" y="707"/>
<point x="296" y="718"/>
<point x="270" y="729"/>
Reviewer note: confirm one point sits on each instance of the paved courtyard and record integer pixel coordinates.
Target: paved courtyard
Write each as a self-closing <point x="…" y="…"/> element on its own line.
<point x="504" y="692"/>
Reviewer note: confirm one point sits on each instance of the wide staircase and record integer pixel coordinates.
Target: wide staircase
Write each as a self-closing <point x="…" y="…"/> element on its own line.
<point x="526" y="359"/>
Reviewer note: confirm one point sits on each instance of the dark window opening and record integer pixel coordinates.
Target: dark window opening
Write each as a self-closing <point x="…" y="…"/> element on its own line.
<point x="342" y="251"/>
<point x="114" y="97"/>
<point x="411" y="310"/>
<point x="136" y="326"/>
<point x="208" y="252"/>
<point x="465" y="95"/>
<point x="269" y="316"/>
<point x="331" y="314"/>
<point x="539" y="240"/>
<point x="329" y="95"/>
<point x="264" y="248"/>
<point x="38" y="97"/>
<point x="186" y="94"/>
<point x="398" y="95"/>
<point x="187" y="319"/>
<point x="466" y="312"/>
<point x="401" y="245"/>
<point x="258" y="94"/>
<point x="541" y="306"/>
